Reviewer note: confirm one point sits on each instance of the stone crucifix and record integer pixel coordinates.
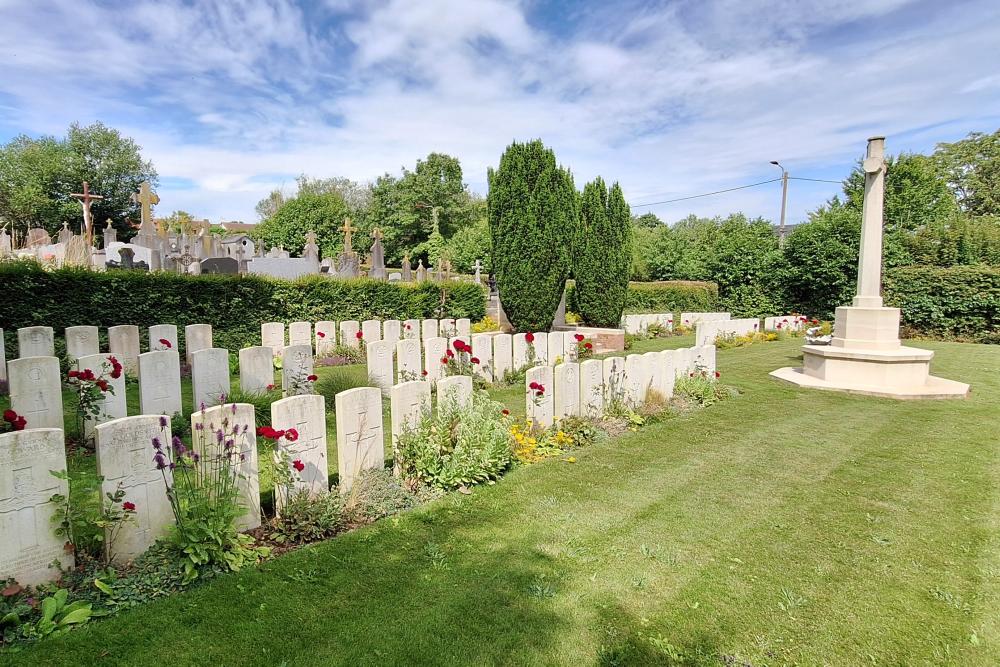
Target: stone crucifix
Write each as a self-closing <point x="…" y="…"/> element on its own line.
<point x="146" y="198"/>
<point x="347" y="235"/>
<point x="85" y="198"/>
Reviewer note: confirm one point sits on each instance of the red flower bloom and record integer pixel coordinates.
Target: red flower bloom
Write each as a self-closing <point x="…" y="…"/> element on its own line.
<point x="9" y="416"/>
<point x="312" y="378"/>
<point x="533" y="385"/>
<point x="449" y="353"/>
<point x="505" y="412"/>
<point x="102" y="385"/>
<point x="269" y="433"/>
<point x="423" y="373"/>
<point x="291" y="435"/>
<point x="87" y="374"/>
<point x="779" y="325"/>
<point x="73" y="374"/>
<point x="718" y="374"/>
<point x="444" y="360"/>
<point x="279" y="434"/>
<point x="459" y="345"/>
<point x="692" y="375"/>
<point x="321" y="334"/>
<point x="541" y="388"/>
<point x="128" y="506"/>
<point x="530" y="337"/>
<point x="270" y="387"/>
<point x="474" y="360"/>
<point x="116" y="372"/>
<point x="298" y="465"/>
<point x="407" y="327"/>
<point x="20" y="423"/>
<point x="166" y="343"/>
<point x="540" y="393"/>
<point x="588" y="346"/>
<point x="815" y="321"/>
<point x="359" y="335"/>
<point x="579" y="338"/>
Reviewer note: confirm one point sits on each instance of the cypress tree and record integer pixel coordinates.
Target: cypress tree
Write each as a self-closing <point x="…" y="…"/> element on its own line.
<point x="603" y="254"/>
<point x="532" y="210"/>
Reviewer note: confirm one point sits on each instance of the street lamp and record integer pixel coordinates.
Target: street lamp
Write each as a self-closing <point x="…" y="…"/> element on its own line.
<point x="784" y="201"/>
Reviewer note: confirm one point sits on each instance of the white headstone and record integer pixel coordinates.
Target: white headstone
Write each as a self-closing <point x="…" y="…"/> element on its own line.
<point x="669" y="373"/>
<point x="125" y="450"/>
<point x="35" y="391"/>
<point x="704" y="359"/>
<point x="592" y="388"/>
<point x="35" y="342"/>
<point x="197" y="337"/>
<point x="326" y="337"/>
<point x="654" y="373"/>
<point x="455" y="389"/>
<point x="256" y="369"/>
<point x="409" y="365"/>
<point x="112" y="405"/>
<point x="682" y="362"/>
<point x="447" y="328"/>
<point x="570" y="352"/>
<point x="538" y="403"/>
<point x="566" y="378"/>
<point x="520" y="355"/>
<point x="429" y="329"/>
<point x="123" y="342"/>
<point x="300" y="333"/>
<point x="392" y="331"/>
<point x="502" y="356"/>
<point x="272" y="335"/>
<point x="463" y="327"/>
<point x="371" y="330"/>
<point x="541" y="345"/>
<point x="28" y="543"/>
<point x="296" y="368"/>
<point x="411" y="329"/>
<point x="434" y="352"/>
<point x="160" y="382"/>
<point x="379" y="354"/>
<point x="307" y="415"/>
<point x="614" y="381"/>
<point x="482" y="349"/>
<point x="408" y="403"/>
<point x="360" y="438"/>
<point x="636" y="380"/>
<point x="210" y="380"/>
<point x="162" y="332"/>
<point x="238" y="443"/>
<point x="556" y="348"/>
<point x="3" y="363"/>
<point x="82" y="341"/>
<point x="349" y="330"/>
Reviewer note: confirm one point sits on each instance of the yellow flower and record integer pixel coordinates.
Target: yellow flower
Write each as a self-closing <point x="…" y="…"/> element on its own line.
<point x="571" y="459"/>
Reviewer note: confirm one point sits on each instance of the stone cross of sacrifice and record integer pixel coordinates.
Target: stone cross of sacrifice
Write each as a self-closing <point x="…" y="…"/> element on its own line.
<point x="85" y="198"/>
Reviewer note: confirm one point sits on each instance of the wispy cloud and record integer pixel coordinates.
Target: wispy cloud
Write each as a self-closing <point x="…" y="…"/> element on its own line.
<point x="230" y="99"/>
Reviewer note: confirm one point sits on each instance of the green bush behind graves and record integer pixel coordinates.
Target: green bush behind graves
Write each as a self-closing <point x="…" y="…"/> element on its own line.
<point x="960" y="302"/>
<point x="235" y="306"/>
<point x="669" y="296"/>
<point x="603" y="254"/>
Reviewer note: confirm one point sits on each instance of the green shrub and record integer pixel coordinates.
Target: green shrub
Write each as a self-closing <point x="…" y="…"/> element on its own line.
<point x="457" y="446"/>
<point x="673" y="296"/>
<point x="602" y="261"/>
<point x="376" y="493"/>
<point x="532" y="210"/>
<point x="954" y="302"/>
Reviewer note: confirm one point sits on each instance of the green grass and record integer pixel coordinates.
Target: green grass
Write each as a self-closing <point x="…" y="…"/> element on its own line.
<point x="784" y="526"/>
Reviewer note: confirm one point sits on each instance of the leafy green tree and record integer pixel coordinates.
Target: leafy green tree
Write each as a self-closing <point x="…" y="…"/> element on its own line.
<point x="972" y="169"/>
<point x="470" y="243"/>
<point x="37" y="177"/>
<point x="602" y="260"/>
<point x="532" y="208"/>
<point x="322" y="213"/>
<point x="748" y="265"/>
<point x="648" y="220"/>
<point x="821" y="258"/>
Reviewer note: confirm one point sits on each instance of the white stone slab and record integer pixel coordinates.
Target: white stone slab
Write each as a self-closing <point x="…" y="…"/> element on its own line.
<point x="210" y="380"/>
<point x="463" y="327"/>
<point x="682" y="362"/>
<point x="592" y="388"/>
<point x="286" y="268"/>
<point x="541" y="346"/>
<point x="408" y="403"/>
<point x="704" y="359"/>
<point x="124" y="453"/>
<point x="653" y="369"/>
<point x="707" y="332"/>
<point x="28" y="543"/>
<point x="325" y="337"/>
<point x="556" y="348"/>
<point x="35" y="342"/>
<point x="434" y="352"/>
<point x="392" y="331"/>
<point x="256" y="369"/>
<point x="447" y="328"/>
<point x="113" y="404"/>
<point x="235" y="448"/>
<point x="307" y="415"/>
<point x="272" y="335"/>
<point x="635" y="380"/>
<point x="539" y="409"/>
<point x="784" y="323"/>
<point x="349" y="330"/>
<point x="669" y="373"/>
<point x="36" y="391"/>
<point x="197" y="337"/>
<point x="409" y="365"/>
<point x="482" y="349"/>
<point x="411" y="329"/>
<point x="503" y="361"/>
<point x="456" y="389"/>
<point x="520" y="355"/>
<point x="615" y="383"/>
<point x="691" y="319"/>
<point x="570" y="351"/>
<point x="296" y="368"/>
<point x="123" y="342"/>
<point x="3" y="363"/>
<point x="300" y="333"/>
<point x="360" y="437"/>
<point x="82" y="341"/>
<point x="371" y="330"/>
<point x="429" y="329"/>
<point x="379" y="356"/>
<point x="160" y="382"/>
<point x="566" y="379"/>
<point x="163" y="332"/>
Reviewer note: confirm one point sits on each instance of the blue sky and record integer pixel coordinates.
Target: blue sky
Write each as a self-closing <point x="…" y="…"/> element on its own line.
<point x="231" y="99"/>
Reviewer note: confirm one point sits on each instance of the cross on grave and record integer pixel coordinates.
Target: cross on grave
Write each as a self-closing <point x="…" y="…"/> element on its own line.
<point x="478" y="266"/>
<point x="159" y="381"/>
<point x="85" y="198"/>
<point x="146" y="198"/>
<point x="361" y="441"/>
<point x="347" y="229"/>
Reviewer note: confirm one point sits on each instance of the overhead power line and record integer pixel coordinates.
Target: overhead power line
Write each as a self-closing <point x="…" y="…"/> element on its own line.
<point x="707" y="194"/>
<point x="817" y="180"/>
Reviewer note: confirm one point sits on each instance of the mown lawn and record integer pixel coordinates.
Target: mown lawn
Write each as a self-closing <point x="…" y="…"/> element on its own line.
<point x="780" y="527"/>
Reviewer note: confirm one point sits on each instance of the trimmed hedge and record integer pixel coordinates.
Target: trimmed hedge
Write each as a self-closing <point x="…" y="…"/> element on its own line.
<point x="955" y="302"/>
<point x="235" y="306"/>
<point x="668" y="296"/>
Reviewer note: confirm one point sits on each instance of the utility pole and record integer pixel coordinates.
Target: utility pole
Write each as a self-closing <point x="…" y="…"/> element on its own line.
<point x="784" y="201"/>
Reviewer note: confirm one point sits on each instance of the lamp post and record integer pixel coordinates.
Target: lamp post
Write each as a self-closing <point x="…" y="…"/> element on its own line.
<point x="784" y="200"/>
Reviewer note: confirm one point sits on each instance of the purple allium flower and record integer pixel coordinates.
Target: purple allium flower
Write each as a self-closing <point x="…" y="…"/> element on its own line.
<point x="163" y="421"/>
<point x="160" y="461"/>
<point x="195" y="456"/>
<point x="219" y="435"/>
<point x="233" y="408"/>
<point x="230" y="443"/>
<point x="172" y="466"/>
<point x="157" y="445"/>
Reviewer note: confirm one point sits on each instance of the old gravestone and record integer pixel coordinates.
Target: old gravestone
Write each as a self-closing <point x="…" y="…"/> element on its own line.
<point x="360" y="438"/>
<point x="566" y="378"/>
<point x="635" y="380"/>
<point x="272" y="335"/>
<point x="210" y="380"/>
<point x="112" y="404"/>
<point x="408" y="403"/>
<point x="482" y="349"/>
<point x="655" y="373"/>
<point x="521" y="357"/>
<point x="229" y="266"/>
<point x="447" y="328"/>
<point x="502" y="356"/>
<point x="408" y="362"/>
<point x="570" y="350"/>
<point x="669" y="374"/>
<point x="123" y="342"/>
<point x="454" y="389"/>
<point x="307" y="415"/>
<point x="349" y="333"/>
<point x="326" y="337"/>
<point x="411" y="329"/>
<point x="379" y="355"/>
<point x="300" y="333"/>
<point x="256" y="369"/>
<point x="160" y="382"/>
<point x="463" y="327"/>
<point x="556" y="347"/>
<point x="592" y="388"/>
<point x="35" y="391"/>
<point x="614" y="381"/>
<point x="237" y="422"/>
<point x="161" y="332"/>
<point x="371" y="330"/>
<point x="538" y="409"/>
<point x="434" y="351"/>
<point x="392" y="331"/>
<point x="541" y="346"/>
<point x="197" y="337"/>
<point x="124" y="449"/>
<point x="296" y="370"/>
<point x="429" y="328"/>
<point x="36" y="342"/>
<point x="82" y="341"/>
<point x="28" y="544"/>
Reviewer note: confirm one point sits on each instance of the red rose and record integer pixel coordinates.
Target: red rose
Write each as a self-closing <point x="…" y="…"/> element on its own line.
<point x="444" y="360"/>
<point x="459" y="344"/>
<point x="541" y="388"/>
<point x="579" y="338"/>
<point x="73" y="374"/>
<point x="407" y="326"/>
<point x="116" y="372"/>
<point x="423" y="373"/>
<point x="102" y="385"/>
<point x="359" y="335"/>
<point x="533" y="385"/>
<point x="270" y="387"/>
<point x="529" y="337"/>
<point x="718" y="374"/>
<point x="312" y="378"/>
<point x="449" y="353"/>
<point x="815" y="321"/>
<point x="298" y="465"/>
<point x="279" y="434"/>
<point x="165" y="343"/>
<point x="474" y="360"/>
<point x="128" y="506"/>
<point x="540" y="393"/>
<point x="505" y="412"/>
<point x="87" y="374"/>
<point x="321" y="334"/>
<point x="692" y="375"/>
<point x="291" y="435"/>
<point x="9" y="416"/>
<point x="779" y="325"/>
<point x="20" y="423"/>
<point x="588" y="346"/>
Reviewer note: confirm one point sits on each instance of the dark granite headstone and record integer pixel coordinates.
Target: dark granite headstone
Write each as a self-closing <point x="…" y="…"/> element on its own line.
<point x="225" y="265"/>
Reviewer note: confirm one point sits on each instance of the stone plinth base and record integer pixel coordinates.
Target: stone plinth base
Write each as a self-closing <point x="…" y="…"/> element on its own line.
<point x="605" y="340"/>
<point x="933" y="387"/>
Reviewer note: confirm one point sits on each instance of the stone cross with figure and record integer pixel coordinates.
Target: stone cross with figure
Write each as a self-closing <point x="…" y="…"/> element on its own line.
<point x="478" y="266"/>
<point x="85" y="198"/>
<point x="347" y="235"/>
<point x="146" y="198"/>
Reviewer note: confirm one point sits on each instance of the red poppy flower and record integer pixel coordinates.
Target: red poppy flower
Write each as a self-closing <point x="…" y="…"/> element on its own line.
<point x="166" y="343"/>
<point x="321" y="334"/>
<point x="541" y="388"/>
<point x="291" y="435"/>
<point x="588" y="346"/>
<point x="505" y="412"/>
<point x="128" y="506"/>
<point x="359" y="335"/>
<point x="280" y="434"/>
<point x="529" y="337"/>
<point x="267" y="432"/>
<point x="718" y="374"/>
<point x="423" y="373"/>
<point x="533" y="385"/>
<point x="312" y="378"/>
<point x="9" y="416"/>
<point x="779" y="325"/>
<point x="459" y="344"/>
<point x="298" y="465"/>
<point x="579" y="338"/>
<point x="270" y="387"/>
<point x="474" y="360"/>
<point x="87" y="374"/>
